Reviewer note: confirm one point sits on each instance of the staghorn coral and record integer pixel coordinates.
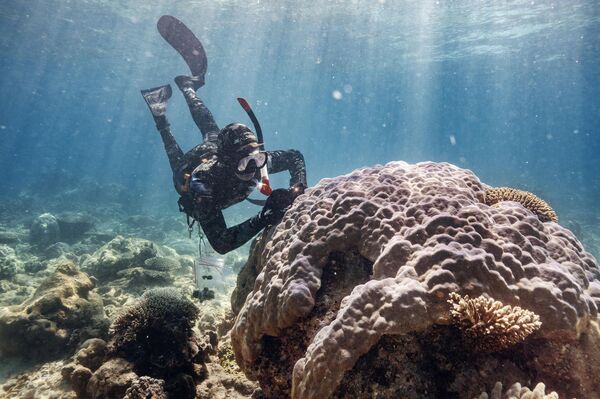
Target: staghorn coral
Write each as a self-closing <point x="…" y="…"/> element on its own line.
<point x="516" y="391"/>
<point x="528" y="200"/>
<point x="406" y="236"/>
<point x="490" y="325"/>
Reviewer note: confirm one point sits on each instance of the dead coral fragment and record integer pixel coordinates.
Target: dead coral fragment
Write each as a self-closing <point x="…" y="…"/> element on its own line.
<point x="525" y="198"/>
<point x="518" y="392"/>
<point x="491" y="325"/>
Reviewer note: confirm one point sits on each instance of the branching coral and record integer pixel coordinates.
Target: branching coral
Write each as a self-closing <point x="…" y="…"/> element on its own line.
<point x="525" y="198"/>
<point x="155" y="333"/>
<point x="516" y="391"/>
<point x="491" y="325"/>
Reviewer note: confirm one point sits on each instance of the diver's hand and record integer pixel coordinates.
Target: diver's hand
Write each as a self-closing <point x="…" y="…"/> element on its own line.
<point x="277" y="203"/>
<point x="297" y="189"/>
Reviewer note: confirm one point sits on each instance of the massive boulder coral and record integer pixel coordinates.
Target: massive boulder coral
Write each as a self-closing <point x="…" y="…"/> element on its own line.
<point x="359" y="271"/>
<point x="62" y="312"/>
<point x="117" y="255"/>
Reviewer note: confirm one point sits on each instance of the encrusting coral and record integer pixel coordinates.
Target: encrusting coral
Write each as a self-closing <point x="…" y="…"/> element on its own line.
<point x="410" y="235"/>
<point x="516" y="391"/>
<point x="525" y="198"/>
<point x="63" y="311"/>
<point x="490" y="325"/>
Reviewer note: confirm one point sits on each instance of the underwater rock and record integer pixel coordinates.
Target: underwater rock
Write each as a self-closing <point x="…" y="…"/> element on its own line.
<point x="74" y="225"/>
<point x="45" y="381"/>
<point x="62" y="312"/>
<point x="10" y="265"/>
<point x="34" y="265"/>
<point x="155" y="338"/>
<point x="91" y="353"/>
<point x="8" y="237"/>
<point x="374" y="255"/>
<point x="111" y="380"/>
<point x="56" y="250"/>
<point x="89" y="357"/>
<point x="44" y="230"/>
<point x="138" y="279"/>
<point x="119" y="254"/>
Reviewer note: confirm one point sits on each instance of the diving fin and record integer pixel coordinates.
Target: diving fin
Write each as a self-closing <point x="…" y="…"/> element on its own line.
<point x="157" y="98"/>
<point x="182" y="39"/>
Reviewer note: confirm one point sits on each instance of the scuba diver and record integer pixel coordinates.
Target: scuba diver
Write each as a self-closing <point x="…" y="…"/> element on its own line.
<point x="230" y="162"/>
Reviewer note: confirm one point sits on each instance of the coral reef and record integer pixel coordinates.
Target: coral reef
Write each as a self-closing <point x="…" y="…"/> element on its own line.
<point x="152" y="351"/>
<point x="530" y="201"/>
<point x="110" y="380"/>
<point x="157" y="332"/>
<point x="516" y="391"/>
<point x="119" y="254"/>
<point x="146" y="387"/>
<point x="372" y="256"/>
<point x="44" y="230"/>
<point x="62" y="312"/>
<point x="9" y="263"/>
<point x="490" y="325"/>
<point x="162" y="263"/>
<point x="73" y="225"/>
<point x="44" y="381"/>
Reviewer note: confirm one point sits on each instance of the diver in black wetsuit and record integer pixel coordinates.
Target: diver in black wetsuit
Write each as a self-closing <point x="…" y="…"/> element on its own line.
<point x="223" y="170"/>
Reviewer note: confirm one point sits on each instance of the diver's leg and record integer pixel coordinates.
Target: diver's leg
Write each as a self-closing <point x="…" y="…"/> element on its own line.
<point x="200" y="113"/>
<point x="174" y="152"/>
<point x="157" y="98"/>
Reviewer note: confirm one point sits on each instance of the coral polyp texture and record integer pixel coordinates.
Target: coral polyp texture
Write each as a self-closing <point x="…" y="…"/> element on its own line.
<point x="358" y="274"/>
<point x="516" y="391"/>
<point x="491" y="325"/>
<point x="525" y="198"/>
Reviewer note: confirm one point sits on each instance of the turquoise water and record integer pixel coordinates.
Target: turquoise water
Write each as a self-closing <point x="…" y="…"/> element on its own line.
<point x="507" y="89"/>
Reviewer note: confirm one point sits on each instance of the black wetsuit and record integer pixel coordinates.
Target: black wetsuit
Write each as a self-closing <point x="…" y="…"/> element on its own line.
<point x="213" y="181"/>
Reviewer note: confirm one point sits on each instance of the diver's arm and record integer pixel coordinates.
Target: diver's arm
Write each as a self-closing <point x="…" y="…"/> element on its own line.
<point x="291" y="160"/>
<point x="224" y="239"/>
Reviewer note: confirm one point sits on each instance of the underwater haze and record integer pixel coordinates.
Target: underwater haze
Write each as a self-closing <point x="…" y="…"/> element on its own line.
<point x="507" y="89"/>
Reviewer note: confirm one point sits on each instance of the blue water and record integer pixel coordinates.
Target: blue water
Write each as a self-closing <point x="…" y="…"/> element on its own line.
<point x="508" y="89"/>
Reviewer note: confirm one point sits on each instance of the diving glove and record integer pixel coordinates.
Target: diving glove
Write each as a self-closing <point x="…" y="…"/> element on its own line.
<point x="277" y="203"/>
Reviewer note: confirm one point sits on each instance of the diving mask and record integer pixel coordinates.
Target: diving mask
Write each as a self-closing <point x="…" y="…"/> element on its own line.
<point x="259" y="158"/>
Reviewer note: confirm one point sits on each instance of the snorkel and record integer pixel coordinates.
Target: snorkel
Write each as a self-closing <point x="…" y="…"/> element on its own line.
<point x="264" y="186"/>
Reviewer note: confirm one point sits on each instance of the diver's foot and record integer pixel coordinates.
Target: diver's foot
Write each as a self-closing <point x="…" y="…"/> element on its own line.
<point x="191" y="82"/>
<point x="157" y="98"/>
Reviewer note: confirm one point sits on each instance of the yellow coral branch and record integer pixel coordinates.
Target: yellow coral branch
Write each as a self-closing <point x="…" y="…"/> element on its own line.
<point x="525" y="198"/>
<point x="490" y="324"/>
